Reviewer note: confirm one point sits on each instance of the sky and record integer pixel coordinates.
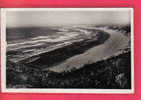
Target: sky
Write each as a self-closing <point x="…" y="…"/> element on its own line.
<point x="60" y="18"/>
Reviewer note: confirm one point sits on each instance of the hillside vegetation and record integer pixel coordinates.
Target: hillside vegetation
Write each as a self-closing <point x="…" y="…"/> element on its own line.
<point x="111" y="73"/>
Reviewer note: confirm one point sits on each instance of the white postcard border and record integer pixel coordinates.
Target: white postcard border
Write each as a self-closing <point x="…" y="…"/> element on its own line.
<point x="29" y="90"/>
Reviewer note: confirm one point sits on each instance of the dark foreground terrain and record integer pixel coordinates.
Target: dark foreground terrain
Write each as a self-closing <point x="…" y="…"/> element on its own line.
<point x="112" y="73"/>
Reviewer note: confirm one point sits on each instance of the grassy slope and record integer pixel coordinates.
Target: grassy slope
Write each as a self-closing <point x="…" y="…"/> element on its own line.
<point x="110" y="73"/>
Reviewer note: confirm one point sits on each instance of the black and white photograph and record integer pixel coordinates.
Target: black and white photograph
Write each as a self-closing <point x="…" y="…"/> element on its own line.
<point x="67" y="50"/>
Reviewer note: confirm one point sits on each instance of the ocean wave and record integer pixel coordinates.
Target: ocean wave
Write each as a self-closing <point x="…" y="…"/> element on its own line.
<point x="42" y="39"/>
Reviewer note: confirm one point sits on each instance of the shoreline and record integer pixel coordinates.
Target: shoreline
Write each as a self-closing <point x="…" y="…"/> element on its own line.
<point x="59" y="55"/>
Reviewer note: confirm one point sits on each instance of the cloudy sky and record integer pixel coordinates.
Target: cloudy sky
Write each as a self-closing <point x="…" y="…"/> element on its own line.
<point x="58" y="18"/>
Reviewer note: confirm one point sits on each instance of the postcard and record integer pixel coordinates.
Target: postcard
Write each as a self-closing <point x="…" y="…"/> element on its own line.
<point x="67" y="50"/>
